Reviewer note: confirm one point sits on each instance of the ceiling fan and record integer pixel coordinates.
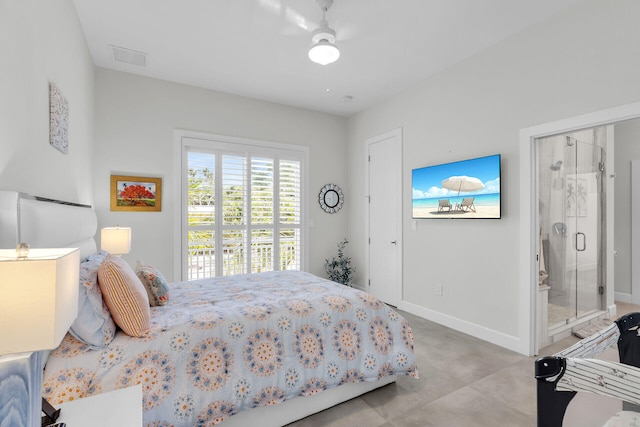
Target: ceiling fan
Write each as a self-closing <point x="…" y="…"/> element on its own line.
<point x="324" y="51"/>
<point x="298" y="21"/>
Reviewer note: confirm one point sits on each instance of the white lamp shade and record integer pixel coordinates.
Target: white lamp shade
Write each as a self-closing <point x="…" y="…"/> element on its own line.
<point x="324" y="53"/>
<point x="39" y="298"/>
<point x="116" y="240"/>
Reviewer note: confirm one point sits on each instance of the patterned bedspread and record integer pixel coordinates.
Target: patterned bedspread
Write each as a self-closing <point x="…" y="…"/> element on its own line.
<point x="226" y="344"/>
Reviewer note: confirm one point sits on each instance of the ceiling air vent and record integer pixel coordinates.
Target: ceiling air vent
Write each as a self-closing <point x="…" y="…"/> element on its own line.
<point x="129" y="56"/>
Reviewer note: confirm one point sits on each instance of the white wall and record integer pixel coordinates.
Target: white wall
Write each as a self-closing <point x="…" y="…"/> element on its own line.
<point x="583" y="60"/>
<point x="42" y="42"/>
<point x="135" y="122"/>
<point x="627" y="146"/>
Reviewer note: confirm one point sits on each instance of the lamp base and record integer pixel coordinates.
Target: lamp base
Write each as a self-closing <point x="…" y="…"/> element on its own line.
<point x="21" y="389"/>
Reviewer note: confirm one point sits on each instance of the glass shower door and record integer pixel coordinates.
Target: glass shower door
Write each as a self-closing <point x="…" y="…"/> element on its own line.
<point x="583" y="211"/>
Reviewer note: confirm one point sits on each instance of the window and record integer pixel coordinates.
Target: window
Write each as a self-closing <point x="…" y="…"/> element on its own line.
<point x="243" y="207"/>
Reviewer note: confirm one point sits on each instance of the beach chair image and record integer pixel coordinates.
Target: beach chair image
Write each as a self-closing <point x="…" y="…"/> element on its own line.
<point x="444" y="204"/>
<point x="466" y="205"/>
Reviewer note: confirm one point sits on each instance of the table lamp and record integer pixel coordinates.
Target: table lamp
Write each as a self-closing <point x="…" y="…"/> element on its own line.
<point x="116" y="240"/>
<point x="39" y="289"/>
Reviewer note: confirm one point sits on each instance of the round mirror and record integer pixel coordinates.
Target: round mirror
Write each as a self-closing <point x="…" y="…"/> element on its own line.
<point x="330" y="198"/>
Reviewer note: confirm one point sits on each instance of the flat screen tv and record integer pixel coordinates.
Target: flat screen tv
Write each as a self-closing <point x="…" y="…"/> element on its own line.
<point x="464" y="189"/>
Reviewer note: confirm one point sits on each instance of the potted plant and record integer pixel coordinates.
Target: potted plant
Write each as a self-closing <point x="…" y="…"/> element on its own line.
<point x="340" y="269"/>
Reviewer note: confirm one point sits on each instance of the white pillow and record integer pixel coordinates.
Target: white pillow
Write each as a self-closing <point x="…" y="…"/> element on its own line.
<point x="94" y="325"/>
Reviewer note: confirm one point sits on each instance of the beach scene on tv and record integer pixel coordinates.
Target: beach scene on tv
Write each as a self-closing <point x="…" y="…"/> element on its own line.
<point x="464" y="189"/>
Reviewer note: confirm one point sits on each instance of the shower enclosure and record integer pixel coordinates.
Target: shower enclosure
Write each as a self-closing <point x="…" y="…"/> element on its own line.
<point x="572" y="220"/>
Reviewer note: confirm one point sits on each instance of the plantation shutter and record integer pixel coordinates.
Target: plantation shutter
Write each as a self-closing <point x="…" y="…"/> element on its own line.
<point x="244" y="211"/>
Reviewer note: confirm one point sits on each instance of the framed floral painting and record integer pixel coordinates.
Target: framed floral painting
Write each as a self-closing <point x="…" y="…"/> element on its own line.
<point x="136" y="193"/>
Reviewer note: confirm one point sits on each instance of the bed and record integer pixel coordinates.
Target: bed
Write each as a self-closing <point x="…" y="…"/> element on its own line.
<point x="269" y="348"/>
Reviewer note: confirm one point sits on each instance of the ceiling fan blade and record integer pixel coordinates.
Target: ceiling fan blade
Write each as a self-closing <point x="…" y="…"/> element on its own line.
<point x="289" y="20"/>
<point x="348" y="21"/>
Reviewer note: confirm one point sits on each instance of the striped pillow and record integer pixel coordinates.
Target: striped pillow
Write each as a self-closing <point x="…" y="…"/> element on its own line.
<point x="125" y="296"/>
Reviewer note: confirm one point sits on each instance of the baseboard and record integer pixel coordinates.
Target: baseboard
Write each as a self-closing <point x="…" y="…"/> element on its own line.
<point x="490" y="335"/>
<point x="623" y="297"/>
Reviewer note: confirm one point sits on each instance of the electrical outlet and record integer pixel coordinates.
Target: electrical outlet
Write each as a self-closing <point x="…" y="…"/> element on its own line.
<point x="439" y="290"/>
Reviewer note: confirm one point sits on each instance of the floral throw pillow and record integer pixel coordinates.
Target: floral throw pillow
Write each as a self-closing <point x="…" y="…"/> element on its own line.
<point x="155" y="284"/>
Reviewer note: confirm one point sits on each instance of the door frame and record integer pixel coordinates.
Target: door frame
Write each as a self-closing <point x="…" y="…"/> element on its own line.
<point x="396" y="133"/>
<point x="529" y="217"/>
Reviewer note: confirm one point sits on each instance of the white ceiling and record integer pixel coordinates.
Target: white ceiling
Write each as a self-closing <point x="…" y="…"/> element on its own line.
<point x="258" y="48"/>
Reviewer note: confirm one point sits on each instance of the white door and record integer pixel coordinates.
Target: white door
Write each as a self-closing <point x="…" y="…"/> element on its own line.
<point x="385" y="217"/>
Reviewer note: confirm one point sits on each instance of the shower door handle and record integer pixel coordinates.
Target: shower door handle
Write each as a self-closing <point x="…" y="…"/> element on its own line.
<point x="584" y="242"/>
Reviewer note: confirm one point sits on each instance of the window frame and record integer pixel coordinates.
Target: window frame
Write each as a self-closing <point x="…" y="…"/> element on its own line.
<point x="205" y="142"/>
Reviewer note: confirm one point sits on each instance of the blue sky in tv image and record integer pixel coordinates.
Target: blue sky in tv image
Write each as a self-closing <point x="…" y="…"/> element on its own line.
<point x="427" y="184"/>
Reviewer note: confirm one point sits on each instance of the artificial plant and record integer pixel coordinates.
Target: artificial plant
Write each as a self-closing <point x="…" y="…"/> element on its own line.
<point x="340" y="269"/>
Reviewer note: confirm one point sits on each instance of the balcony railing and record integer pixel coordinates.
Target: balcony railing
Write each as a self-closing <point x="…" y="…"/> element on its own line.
<point x="202" y="258"/>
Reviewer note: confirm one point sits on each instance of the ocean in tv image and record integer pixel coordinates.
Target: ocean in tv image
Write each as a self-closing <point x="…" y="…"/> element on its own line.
<point x="464" y="189"/>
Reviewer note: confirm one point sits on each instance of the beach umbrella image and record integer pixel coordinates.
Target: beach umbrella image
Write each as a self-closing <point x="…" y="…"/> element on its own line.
<point x="462" y="183"/>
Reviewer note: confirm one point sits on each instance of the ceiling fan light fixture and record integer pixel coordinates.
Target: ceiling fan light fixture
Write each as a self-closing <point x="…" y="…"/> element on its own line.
<point x="324" y="52"/>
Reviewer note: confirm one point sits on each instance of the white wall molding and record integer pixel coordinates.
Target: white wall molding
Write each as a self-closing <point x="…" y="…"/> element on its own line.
<point x="623" y="297"/>
<point x="495" y="337"/>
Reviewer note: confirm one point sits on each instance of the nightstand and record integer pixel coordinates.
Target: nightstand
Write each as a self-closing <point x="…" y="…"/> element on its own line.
<point x="118" y="408"/>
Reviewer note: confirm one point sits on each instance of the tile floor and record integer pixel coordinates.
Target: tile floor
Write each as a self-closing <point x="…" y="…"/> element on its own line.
<point x="464" y="382"/>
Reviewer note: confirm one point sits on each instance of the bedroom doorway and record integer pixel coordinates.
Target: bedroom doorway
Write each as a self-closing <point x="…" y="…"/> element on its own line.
<point x="384" y="157"/>
<point x="622" y="122"/>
